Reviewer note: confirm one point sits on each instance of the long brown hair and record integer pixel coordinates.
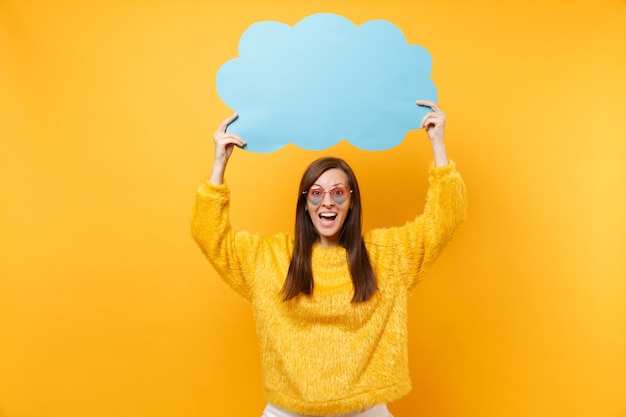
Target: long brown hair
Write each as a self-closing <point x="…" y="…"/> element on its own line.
<point x="300" y="274"/>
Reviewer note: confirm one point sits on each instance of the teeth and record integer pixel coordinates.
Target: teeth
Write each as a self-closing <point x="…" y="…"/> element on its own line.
<point x="328" y="215"/>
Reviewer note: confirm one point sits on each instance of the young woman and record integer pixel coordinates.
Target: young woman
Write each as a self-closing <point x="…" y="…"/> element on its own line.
<point x="330" y="303"/>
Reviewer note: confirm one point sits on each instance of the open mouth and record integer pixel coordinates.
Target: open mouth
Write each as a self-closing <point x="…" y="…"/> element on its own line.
<point x="330" y="217"/>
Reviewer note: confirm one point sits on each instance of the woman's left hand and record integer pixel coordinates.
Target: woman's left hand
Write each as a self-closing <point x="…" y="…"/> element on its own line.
<point x="434" y="122"/>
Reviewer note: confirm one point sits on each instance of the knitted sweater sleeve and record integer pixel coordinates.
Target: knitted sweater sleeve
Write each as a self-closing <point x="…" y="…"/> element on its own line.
<point x="229" y="251"/>
<point x="415" y="246"/>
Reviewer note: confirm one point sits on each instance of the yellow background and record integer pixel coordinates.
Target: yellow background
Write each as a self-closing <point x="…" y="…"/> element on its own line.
<point x="107" y="307"/>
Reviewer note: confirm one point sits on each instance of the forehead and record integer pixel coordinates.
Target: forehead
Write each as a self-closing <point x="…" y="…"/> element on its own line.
<point x="332" y="177"/>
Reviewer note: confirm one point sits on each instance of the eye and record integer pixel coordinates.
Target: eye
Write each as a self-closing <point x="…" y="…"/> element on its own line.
<point x="338" y="191"/>
<point x="315" y="192"/>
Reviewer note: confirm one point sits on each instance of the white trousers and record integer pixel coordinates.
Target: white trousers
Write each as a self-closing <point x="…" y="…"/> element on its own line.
<point x="379" y="410"/>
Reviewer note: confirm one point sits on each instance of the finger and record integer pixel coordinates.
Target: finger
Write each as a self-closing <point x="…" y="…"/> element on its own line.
<point x="226" y="122"/>
<point x="231" y="138"/>
<point x="427" y="119"/>
<point x="427" y="103"/>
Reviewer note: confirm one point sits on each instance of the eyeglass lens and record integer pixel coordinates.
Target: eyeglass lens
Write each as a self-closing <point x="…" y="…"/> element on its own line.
<point x="339" y="194"/>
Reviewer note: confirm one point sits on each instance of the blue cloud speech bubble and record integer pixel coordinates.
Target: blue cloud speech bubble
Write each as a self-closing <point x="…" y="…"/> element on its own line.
<point x="324" y="80"/>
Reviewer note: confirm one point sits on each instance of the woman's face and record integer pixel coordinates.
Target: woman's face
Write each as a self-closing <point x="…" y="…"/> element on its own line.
<point x="328" y="203"/>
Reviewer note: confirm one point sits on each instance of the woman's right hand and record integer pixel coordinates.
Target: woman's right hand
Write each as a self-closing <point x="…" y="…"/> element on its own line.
<point x="224" y="145"/>
<point x="225" y="142"/>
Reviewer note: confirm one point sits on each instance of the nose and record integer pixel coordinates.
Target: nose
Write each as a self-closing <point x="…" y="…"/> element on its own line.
<point x="327" y="200"/>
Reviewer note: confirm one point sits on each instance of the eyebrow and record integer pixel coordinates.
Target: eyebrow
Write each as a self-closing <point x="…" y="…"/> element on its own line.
<point x="317" y="185"/>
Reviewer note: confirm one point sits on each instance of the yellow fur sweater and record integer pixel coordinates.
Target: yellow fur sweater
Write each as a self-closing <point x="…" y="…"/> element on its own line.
<point x="322" y="354"/>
